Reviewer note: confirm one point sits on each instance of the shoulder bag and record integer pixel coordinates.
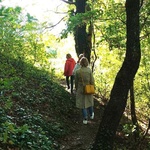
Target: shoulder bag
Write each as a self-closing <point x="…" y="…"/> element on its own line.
<point x="88" y="88"/>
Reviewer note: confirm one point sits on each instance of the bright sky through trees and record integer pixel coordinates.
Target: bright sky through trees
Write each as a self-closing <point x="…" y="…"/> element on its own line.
<point x="43" y="10"/>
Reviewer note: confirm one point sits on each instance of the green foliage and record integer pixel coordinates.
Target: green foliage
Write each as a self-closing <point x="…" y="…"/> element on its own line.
<point x="80" y="19"/>
<point x="23" y="137"/>
<point x="105" y="71"/>
<point x="31" y="101"/>
<point x="21" y="37"/>
<point x="128" y="129"/>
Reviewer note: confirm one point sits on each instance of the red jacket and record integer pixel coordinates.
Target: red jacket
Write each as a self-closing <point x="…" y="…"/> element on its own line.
<point x="69" y="66"/>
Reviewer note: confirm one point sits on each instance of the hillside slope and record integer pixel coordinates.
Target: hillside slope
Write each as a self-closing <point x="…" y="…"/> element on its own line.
<point x="35" y="109"/>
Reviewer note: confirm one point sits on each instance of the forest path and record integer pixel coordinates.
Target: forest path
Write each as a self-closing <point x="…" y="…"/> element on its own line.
<point x="82" y="136"/>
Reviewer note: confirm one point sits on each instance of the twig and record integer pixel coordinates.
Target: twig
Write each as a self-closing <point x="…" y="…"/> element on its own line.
<point x="55" y="24"/>
<point x="146" y="132"/>
<point x="68" y="2"/>
<point x="138" y="145"/>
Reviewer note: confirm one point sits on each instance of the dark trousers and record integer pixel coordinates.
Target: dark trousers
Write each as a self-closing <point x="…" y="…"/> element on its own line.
<point x="69" y="79"/>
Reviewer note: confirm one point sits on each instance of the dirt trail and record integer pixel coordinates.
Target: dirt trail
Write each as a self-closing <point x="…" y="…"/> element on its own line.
<point x="82" y="136"/>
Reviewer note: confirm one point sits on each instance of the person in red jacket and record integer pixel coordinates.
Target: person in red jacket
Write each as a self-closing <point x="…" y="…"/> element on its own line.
<point x="68" y="71"/>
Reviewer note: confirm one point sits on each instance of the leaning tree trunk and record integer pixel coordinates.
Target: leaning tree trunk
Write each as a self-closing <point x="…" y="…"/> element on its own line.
<point x="80" y="34"/>
<point x="118" y="98"/>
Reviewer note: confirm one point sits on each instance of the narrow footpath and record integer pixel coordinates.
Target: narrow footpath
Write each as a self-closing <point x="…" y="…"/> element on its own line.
<point x="82" y="136"/>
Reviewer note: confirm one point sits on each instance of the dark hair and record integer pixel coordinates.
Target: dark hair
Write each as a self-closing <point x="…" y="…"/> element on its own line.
<point x="68" y="56"/>
<point x="84" y="62"/>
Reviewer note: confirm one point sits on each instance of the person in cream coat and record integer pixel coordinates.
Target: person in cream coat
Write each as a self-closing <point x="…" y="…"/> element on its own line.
<point x="85" y="102"/>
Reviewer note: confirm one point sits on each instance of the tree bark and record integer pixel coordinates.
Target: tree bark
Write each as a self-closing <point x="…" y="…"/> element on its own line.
<point x="80" y="34"/>
<point x="119" y="93"/>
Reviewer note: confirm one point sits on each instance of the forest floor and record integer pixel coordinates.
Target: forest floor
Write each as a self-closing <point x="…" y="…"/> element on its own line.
<point x="82" y="136"/>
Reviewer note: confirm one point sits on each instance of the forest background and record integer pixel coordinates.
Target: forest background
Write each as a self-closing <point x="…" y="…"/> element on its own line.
<point x="31" y="50"/>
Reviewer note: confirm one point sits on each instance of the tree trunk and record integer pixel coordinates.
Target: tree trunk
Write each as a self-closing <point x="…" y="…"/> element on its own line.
<point x="118" y="97"/>
<point x="81" y="36"/>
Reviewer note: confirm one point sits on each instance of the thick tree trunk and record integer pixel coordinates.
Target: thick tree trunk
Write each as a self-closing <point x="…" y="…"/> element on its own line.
<point x="118" y="97"/>
<point x="80" y="34"/>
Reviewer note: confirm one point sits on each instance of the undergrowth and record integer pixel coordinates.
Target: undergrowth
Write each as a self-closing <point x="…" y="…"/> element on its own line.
<point x="33" y="111"/>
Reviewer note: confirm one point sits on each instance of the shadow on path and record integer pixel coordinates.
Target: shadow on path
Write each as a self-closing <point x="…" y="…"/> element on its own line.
<point x="82" y="136"/>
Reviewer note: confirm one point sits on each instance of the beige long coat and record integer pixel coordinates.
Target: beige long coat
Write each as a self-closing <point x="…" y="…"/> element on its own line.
<point x="82" y="100"/>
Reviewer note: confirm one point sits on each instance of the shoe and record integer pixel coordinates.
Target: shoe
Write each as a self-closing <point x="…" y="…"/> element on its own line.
<point x="85" y="121"/>
<point x="92" y="117"/>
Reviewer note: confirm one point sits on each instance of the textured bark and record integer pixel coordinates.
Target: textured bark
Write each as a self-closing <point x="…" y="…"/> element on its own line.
<point x="118" y="97"/>
<point x="80" y="34"/>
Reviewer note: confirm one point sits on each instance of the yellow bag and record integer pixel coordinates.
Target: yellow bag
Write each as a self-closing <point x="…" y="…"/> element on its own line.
<point x="89" y="89"/>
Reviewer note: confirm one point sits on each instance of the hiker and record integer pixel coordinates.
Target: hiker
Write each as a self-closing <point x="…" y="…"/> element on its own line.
<point x="68" y="71"/>
<point x="77" y="66"/>
<point x="83" y="101"/>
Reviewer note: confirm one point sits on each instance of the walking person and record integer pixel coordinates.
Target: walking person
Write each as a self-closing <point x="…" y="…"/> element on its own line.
<point x="77" y="66"/>
<point x="68" y="71"/>
<point x="83" y="101"/>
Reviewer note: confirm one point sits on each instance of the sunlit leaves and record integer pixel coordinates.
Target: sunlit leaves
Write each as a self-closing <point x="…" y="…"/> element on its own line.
<point x="21" y="36"/>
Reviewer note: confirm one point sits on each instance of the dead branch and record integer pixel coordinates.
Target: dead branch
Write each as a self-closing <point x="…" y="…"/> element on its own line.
<point x="139" y="143"/>
<point x="146" y="132"/>
<point x="68" y="2"/>
<point x="52" y="26"/>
